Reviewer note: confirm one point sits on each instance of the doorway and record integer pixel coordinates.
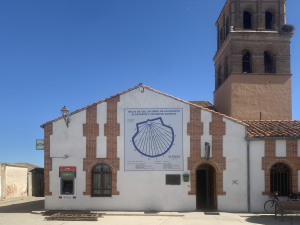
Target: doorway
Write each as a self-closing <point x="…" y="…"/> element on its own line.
<point x="206" y="194"/>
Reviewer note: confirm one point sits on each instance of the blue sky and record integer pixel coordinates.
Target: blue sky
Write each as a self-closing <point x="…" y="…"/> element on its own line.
<point x="74" y="53"/>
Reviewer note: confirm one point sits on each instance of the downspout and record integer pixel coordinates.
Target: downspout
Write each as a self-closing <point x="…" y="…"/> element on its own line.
<point x="248" y="175"/>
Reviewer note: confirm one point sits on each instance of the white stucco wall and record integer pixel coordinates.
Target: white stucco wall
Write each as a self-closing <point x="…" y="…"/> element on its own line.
<point x="145" y="190"/>
<point x="16" y="181"/>
<point x="280" y="148"/>
<point x="206" y="118"/>
<point x="101" y="139"/>
<point x="235" y="151"/>
<point x="69" y="140"/>
<point x="257" y="176"/>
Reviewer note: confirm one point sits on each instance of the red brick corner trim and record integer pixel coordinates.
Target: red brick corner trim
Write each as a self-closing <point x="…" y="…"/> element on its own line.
<point x="111" y="131"/>
<point x="291" y="159"/>
<point x="195" y="131"/>
<point x="47" y="160"/>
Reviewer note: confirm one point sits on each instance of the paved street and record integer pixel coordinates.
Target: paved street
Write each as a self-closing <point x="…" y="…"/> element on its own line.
<point x="18" y="211"/>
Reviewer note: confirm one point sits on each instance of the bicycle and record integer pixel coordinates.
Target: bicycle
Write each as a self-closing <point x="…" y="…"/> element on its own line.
<point x="271" y="205"/>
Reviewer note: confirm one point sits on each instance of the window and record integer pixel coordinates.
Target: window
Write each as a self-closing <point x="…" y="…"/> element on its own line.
<point x="247" y="20"/>
<point x="280" y="179"/>
<point x="269" y="63"/>
<point x="226" y="70"/>
<point x="227" y="27"/>
<point x="246" y="62"/>
<point x="101" y="180"/>
<point x="221" y="36"/>
<point x="219" y="77"/>
<point x="269" y="20"/>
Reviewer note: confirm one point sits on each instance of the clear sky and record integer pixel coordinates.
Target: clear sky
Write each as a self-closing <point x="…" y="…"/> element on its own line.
<point x="74" y="53"/>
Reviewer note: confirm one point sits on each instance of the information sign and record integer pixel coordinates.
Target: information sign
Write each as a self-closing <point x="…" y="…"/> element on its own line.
<point x="153" y="139"/>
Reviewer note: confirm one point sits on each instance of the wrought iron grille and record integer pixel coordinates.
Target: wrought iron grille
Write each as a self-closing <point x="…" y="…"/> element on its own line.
<point x="280" y="179"/>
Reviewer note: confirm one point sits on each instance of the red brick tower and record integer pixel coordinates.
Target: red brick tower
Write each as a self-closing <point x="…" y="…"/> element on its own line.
<point x="252" y="62"/>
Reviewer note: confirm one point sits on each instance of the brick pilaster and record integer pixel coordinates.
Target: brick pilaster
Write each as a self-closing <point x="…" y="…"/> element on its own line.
<point x="111" y="131"/>
<point x="47" y="159"/>
<point x="195" y="131"/>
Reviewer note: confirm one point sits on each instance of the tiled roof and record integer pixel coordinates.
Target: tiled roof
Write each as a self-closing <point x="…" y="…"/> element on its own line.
<point x="151" y="89"/>
<point x="273" y="128"/>
<point x="205" y="104"/>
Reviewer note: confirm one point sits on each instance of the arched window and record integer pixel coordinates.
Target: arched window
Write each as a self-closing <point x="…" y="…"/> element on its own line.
<point x="280" y="175"/>
<point x="246" y="62"/>
<point x="101" y="180"/>
<point x="269" y="20"/>
<point x="226" y="70"/>
<point x="247" y="18"/>
<point x="221" y="36"/>
<point x="269" y="63"/>
<point x="219" y="77"/>
<point x="227" y="26"/>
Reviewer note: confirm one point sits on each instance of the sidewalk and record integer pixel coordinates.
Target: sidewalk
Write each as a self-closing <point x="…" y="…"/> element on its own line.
<point x="18" y="211"/>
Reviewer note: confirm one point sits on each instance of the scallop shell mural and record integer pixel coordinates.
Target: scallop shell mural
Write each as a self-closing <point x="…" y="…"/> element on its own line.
<point x="153" y="138"/>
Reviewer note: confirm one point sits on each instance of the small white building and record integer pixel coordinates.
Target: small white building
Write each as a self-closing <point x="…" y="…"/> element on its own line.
<point x="133" y="150"/>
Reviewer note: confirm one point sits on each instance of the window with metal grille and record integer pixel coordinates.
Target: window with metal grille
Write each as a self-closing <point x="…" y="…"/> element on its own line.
<point x="247" y="18"/>
<point x="246" y="62"/>
<point x="101" y="180"/>
<point x="280" y="179"/>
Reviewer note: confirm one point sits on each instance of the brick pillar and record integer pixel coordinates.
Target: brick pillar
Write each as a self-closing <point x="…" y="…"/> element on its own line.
<point x="217" y="130"/>
<point x="292" y="155"/>
<point x="47" y="159"/>
<point x="195" y="130"/>
<point x="111" y="131"/>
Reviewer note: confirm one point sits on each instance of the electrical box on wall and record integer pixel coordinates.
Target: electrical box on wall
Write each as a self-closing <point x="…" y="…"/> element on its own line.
<point x="67" y="182"/>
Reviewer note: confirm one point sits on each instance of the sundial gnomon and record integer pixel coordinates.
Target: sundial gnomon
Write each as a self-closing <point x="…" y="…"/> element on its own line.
<point x="153" y="138"/>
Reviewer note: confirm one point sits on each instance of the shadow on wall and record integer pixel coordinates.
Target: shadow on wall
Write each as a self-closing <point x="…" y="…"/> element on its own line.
<point x="25" y="207"/>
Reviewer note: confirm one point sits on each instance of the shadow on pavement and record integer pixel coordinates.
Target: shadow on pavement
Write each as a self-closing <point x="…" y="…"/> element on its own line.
<point x="25" y="207"/>
<point x="270" y="219"/>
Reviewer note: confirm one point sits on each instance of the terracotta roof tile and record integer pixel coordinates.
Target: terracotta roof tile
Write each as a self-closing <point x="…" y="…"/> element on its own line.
<point x="151" y="89"/>
<point x="273" y="128"/>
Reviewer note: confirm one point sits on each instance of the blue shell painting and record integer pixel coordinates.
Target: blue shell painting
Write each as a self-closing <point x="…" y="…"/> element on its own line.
<point x="153" y="138"/>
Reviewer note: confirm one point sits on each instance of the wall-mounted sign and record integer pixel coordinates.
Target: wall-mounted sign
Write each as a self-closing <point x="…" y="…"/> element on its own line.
<point x="153" y="139"/>
<point x="39" y="144"/>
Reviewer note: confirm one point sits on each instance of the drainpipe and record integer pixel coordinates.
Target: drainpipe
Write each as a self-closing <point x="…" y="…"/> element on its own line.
<point x="248" y="175"/>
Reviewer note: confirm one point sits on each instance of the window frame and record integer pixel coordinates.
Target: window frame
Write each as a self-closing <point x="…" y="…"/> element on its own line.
<point x="102" y="182"/>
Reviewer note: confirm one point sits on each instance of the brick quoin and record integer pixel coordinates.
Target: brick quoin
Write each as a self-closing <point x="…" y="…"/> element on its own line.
<point x="195" y="131"/>
<point x="291" y="159"/>
<point x="47" y="159"/>
<point x="111" y="131"/>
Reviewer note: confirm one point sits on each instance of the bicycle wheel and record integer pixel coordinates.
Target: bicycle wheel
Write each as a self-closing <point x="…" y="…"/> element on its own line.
<point x="270" y="206"/>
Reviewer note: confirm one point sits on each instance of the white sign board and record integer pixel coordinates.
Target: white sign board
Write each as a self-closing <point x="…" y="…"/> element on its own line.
<point x="153" y="140"/>
<point x="39" y="144"/>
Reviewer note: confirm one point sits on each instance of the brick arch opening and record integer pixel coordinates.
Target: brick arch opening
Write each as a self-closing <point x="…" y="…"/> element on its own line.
<point x="206" y="186"/>
<point x="280" y="178"/>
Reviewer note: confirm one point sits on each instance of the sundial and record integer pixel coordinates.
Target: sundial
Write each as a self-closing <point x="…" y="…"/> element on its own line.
<point x="153" y="138"/>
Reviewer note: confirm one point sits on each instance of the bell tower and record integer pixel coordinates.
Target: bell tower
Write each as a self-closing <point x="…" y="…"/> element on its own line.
<point x="252" y="62"/>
